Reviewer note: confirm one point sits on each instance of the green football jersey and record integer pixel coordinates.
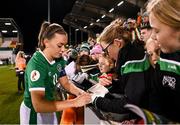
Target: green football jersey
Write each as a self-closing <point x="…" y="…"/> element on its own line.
<point x="42" y="75"/>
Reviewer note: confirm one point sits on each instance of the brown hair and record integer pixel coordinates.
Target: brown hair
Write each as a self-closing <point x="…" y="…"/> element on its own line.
<point x="166" y="11"/>
<point x="115" y="30"/>
<point x="48" y="31"/>
<point x="82" y="61"/>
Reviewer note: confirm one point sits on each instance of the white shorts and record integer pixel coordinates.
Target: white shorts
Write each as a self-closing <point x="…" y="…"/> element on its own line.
<point x="41" y="118"/>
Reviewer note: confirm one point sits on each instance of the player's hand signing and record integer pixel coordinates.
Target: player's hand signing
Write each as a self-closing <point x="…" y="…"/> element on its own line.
<point x="83" y="99"/>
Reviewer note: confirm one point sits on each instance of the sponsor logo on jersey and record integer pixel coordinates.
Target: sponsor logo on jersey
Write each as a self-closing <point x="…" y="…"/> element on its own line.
<point x="59" y="68"/>
<point x="172" y="67"/>
<point x="35" y="75"/>
<point x="169" y="81"/>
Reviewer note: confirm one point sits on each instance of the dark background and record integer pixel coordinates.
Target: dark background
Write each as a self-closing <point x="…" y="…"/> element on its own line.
<point x="29" y="14"/>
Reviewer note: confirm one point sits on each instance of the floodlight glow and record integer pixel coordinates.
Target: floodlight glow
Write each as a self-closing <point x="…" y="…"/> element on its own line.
<point x="111" y="10"/>
<point x="103" y="16"/>
<point x="4" y="31"/>
<point x="97" y="20"/>
<point x="120" y="3"/>
<point x="14" y="31"/>
<point x="77" y="29"/>
<point x="7" y="24"/>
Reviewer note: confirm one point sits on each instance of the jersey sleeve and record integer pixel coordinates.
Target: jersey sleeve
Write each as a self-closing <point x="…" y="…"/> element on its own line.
<point x="36" y="74"/>
<point x="62" y="71"/>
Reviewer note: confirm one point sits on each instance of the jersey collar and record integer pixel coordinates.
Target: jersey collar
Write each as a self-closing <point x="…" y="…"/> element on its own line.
<point x="51" y="63"/>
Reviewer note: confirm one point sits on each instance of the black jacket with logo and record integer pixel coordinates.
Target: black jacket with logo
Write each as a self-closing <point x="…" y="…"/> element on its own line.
<point x="132" y="66"/>
<point x="165" y="89"/>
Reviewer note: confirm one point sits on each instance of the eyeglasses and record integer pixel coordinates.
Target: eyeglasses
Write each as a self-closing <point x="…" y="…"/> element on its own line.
<point x="105" y="50"/>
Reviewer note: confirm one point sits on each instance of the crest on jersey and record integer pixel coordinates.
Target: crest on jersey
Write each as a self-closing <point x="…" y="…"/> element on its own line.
<point x="49" y="73"/>
<point x="59" y="68"/>
<point x="35" y="75"/>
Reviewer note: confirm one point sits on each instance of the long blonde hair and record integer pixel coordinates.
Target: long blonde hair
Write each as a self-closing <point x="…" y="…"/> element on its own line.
<point x="115" y="30"/>
<point x="166" y="11"/>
